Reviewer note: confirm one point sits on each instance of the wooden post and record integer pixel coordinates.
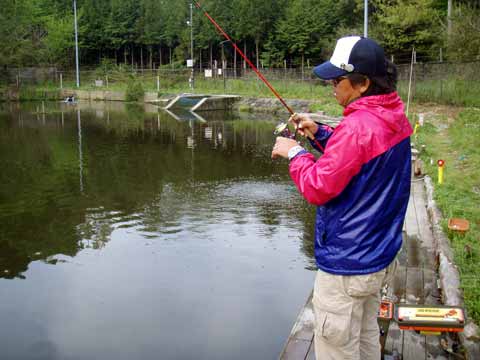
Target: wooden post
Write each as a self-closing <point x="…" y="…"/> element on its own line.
<point x="106" y="81"/>
<point x="61" y="81"/>
<point x="245" y="52"/>
<point x="410" y="81"/>
<point x="303" y="66"/>
<point x="158" y="83"/>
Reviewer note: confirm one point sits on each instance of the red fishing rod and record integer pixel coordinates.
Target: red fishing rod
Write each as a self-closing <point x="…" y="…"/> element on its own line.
<point x="240" y="52"/>
<point x="254" y="68"/>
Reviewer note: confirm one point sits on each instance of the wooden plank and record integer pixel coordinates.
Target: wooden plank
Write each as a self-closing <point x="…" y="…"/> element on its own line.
<point x="430" y="288"/>
<point x="301" y="336"/>
<point x="399" y="287"/>
<point x="414" y="286"/>
<point x="425" y="230"/>
<point x="394" y="339"/>
<point x="311" y="352"/>
<point x="413" y="251"/>
<point x="305" y="324"/>
<point x="411" y="219"/>
<point x="296" y="349"/>
<point x="414" y="346"/>
<point x="434" y="350"/>
<point x="402" y="254"/>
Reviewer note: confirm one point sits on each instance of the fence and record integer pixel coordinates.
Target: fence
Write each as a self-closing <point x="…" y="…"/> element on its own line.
<point x="451" y="83"/>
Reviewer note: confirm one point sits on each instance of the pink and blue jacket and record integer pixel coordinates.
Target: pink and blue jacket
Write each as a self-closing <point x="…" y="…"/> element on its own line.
<point x="361" y="186"/>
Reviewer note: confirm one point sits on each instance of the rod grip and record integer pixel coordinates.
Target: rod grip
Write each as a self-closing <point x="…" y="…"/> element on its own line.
<point x="312" y="137"/>
<point x="309" y="134"/>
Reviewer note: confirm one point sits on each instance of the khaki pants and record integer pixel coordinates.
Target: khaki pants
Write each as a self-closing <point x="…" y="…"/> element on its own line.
<point x="346" y="310"/>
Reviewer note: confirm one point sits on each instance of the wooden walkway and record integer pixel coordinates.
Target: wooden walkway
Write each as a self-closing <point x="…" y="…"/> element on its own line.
<point x="415" y="283"/>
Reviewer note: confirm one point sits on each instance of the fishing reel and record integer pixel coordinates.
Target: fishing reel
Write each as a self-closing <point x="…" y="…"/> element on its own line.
<point x="283" y="130"/>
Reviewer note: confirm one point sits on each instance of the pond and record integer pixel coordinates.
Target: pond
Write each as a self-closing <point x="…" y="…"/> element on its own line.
<point x="127" y="232"/>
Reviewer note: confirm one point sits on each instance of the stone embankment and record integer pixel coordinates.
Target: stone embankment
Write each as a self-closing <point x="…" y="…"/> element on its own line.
<point x="272" y="105"/>
<point x="449" y="277"/>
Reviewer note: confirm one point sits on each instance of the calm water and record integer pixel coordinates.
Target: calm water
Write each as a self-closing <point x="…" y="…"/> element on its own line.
<point x="127" y="233"/>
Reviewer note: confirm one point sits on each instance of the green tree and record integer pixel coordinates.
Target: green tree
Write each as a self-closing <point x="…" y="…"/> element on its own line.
<point x="308" y="29"/>
<point x="59" y="40"/>
<point x="401" y="25"/>
<point x="464" y="41"/>
<point x="255" y="19"/>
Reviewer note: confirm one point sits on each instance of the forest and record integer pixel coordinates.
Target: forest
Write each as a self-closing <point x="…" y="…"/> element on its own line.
<point x="274" y="33"/>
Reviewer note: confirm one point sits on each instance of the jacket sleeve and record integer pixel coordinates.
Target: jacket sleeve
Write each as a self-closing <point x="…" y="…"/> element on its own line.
<point x="321" y="180"/>
<point x="322" y="135"/>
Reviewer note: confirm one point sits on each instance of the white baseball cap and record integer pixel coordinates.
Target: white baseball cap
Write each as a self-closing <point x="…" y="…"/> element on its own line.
<point x="353" y="54"/>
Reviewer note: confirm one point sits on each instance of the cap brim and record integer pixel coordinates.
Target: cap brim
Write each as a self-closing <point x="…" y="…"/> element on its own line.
<point x="328" y="71"/>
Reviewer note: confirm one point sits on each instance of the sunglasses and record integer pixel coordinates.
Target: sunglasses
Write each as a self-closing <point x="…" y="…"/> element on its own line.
<point x="338" y="80"/>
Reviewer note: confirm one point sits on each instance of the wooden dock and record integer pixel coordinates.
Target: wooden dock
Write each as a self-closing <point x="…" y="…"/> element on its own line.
<point x="415" y="283"/>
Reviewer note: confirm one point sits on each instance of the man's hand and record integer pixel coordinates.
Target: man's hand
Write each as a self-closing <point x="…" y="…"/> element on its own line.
<point x="306" y="126"/>
<point x="281" y="147"/>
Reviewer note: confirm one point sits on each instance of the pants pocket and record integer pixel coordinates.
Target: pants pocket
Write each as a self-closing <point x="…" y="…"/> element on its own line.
<point x="333" y="328"/>
<point x="364" y="285"/>
<point x="390" y="273"/>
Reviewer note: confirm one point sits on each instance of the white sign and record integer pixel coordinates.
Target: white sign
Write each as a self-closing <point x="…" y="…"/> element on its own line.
<point x="421" y="119"/>
<point x="189" y="63"/>
<point x="208" y="73"/>
<point x="219" y="71"/>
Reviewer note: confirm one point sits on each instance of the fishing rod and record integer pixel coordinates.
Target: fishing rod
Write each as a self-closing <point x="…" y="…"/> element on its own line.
<point x="240" y="52"/>
<point x="281" y="129"/>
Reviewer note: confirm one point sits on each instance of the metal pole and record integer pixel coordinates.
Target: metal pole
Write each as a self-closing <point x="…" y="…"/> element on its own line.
<point x="191" y="44"/>
<point x="365" y="19"/>
<point x="76" y="43"/>
<point x="449" y="18"/>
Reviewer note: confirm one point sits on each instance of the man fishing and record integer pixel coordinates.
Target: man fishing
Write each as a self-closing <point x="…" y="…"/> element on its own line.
<point x="361" y="186"/>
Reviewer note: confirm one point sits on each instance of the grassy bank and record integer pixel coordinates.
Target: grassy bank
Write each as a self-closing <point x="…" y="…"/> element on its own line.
<point x="30" y="93"/>
<point x="455" y="138"/>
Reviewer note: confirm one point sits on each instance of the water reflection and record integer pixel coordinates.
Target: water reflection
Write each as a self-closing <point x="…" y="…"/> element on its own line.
<point x="127" y="170"/>
<point x="80" y="155"/>
<point x="129" y="203"/>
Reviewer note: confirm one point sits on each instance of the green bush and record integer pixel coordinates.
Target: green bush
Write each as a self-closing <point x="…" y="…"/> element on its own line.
<point x="135" y="91"/>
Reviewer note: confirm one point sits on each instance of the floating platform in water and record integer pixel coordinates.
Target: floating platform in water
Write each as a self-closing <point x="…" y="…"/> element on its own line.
<point x="198" y="102"/>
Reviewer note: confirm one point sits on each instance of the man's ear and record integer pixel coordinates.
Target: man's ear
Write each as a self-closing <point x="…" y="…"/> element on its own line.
<point x="365" y="86"/>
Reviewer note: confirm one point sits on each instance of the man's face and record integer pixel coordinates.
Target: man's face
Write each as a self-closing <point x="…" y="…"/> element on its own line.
<point x="344" y="91"/>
